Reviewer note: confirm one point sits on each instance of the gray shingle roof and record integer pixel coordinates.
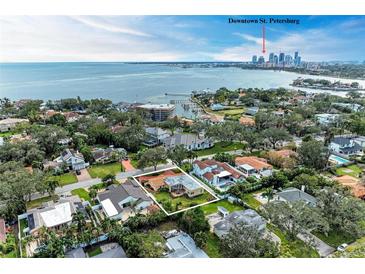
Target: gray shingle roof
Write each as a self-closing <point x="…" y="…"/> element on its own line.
<point x="293" y="194"/>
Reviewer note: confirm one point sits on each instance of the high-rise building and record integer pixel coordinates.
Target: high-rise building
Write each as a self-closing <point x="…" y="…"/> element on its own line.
<point x="296" y="55"/>
<point x="261" y="60"/>
<point x="299" y="60"/>
<point x="254" y="59"/>
<point x="281" y="57"/>
<point x="288" y="59"/>
<point x="276" y="59"/>
<point x="271" y="58"/>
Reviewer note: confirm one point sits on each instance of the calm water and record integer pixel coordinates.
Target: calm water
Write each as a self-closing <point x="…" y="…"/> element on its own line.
<point x="127" y="82"/>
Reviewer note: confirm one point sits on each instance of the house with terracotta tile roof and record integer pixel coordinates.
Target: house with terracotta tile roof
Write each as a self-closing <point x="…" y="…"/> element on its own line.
<point x="220" y="175"/>
<point x="253" y="166"/>
<point x="247" y="121"/>
<point x="354" y="184"/>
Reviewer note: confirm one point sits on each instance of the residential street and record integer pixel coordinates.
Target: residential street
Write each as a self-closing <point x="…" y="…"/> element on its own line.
<point x="91" y="182"/>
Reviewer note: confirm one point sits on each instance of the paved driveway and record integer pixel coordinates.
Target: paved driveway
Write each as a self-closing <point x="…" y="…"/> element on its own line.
<point x="84" y="176"/>
<point x="322" y="248"/>
<point x="127" y="165"/>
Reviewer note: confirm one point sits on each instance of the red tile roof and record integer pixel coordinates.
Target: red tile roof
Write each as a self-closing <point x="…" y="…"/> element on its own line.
<point x="255" y="162"/>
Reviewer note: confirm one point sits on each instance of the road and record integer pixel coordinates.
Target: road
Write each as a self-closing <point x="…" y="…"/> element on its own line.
<point x="91" y="182"/>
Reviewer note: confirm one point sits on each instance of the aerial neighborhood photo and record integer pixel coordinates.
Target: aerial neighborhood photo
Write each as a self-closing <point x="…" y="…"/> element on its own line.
<point x="182" y="137"/>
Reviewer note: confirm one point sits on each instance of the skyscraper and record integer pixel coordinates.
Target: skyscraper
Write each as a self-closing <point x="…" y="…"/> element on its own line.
<point x="261" y="60"/>
<point x="276" y="59"/>
<point x="281" y="57"/>
<point x="288" y="59"/>
<point x="271" y="58"/>
<point x="296" y="55"/>
<point x="254" y="59"/>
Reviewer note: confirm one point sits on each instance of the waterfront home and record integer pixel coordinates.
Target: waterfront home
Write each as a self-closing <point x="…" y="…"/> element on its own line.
<point x="216" y="107"/>
<point x="219" y="175"/>
<point x="158" y="112"/>
<point x="155" y="136"/>
<point x="10" y="123"/>
<point x="189" y="141"/>
<point x="73" y="159"/>
<point x="292" y="194"/>
<point x="345" y="145"/>
<point x="52" y="215"/>
<point x="183" y="246"/>
<point x="119" y="202"/>
<point x="253" y="166"/>
<point x="326" y="119"/>
<point x="248" y="218"/>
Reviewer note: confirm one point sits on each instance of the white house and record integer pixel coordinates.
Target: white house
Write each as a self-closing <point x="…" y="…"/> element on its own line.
<point x="219" y="175"/>
<point x="345" y="145"/>
<point x="74" y="160"/>
<point x="327" y="119"/>
<point x="189" y="141"/>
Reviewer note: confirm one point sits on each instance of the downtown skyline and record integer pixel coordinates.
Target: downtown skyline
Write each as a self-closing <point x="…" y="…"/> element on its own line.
<point x="176" y="38"/>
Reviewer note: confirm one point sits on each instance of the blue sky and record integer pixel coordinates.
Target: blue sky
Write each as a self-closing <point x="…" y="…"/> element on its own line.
<point x="176" y="38"/>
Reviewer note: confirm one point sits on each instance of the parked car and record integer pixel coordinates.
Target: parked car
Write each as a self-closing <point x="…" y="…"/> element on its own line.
<point x="342" y="247"/>
<point x="78" y="172"/>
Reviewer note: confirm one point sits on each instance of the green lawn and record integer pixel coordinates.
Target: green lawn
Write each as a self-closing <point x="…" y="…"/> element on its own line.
<point x="352" y="170"/>
<point x="251" y="201"/>
<point x="212" y="246"/>
<point x="38" y="202"/>
<point x="66" y="179"/>
<point x="92" y="252"/>
<point x="100" y="171"/>
<point x="335" y="238"/>
<point x="212" y="208"/>
<point x="229" y="112"/>
<point x="220" y="147"/>
<point x="82" y="193"/>
<point x="293" y="249"/>
<point x="163" y="197"/>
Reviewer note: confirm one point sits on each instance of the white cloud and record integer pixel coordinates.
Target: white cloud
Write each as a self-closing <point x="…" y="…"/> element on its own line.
<point x="108" y="27"/>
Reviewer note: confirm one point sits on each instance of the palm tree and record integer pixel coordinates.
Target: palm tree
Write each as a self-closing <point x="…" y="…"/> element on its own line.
<point x="268" y="193"/>
<point x="79" y="220"/>
<point x="51" y="185"/>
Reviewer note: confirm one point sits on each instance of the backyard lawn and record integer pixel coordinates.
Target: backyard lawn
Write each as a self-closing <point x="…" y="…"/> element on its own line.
<point x="100" y="171"/>
<point x="250" y="200"/>
<point x="212" y="208"/>
<point x="352" y="170"/>
<point x="220" y="147"/>
<point x="335" y="238"/>
<point x="38" y="202"/>
<point x="290" y="248"/>
<point x="82" y="193"/>
<point x="181" y="202"/>
<point x="212" y="246"/>
<point x="66" y="179"/>
<point x="230" y="112"/>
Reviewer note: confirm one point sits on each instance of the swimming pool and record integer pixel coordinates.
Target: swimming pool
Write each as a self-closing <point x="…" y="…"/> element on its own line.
<point x="339" y="160"/>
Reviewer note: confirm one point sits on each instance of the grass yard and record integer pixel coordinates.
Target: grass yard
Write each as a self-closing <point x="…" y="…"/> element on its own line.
<point x="82" y="193"/>
<point x="251" y="201"/>
<point x="38" y="202"/>
<point x="352" y="170"/>
<point x="100" y="171"/>
<point x="229" y="112"/>
<point x="92" y="252"/>
<point x="66" y="179"/>
<point x="293" y="249"/>
<point x="220" y="147"/>
<point x="213" y="207"/>
<point x="181" y="202"/>
<point x="212" y="246"/>
<point x="335" y="238"/>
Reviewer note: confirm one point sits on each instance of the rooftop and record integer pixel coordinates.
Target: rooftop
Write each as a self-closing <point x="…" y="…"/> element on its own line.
<point x="158" y="106"/>
<point x="255" y="162"/>
<point x="184" y="180"/>
<point x="292" y="194"/>
<point x="183" y="246"/>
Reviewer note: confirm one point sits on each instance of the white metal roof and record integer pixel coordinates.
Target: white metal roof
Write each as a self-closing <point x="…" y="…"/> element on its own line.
<point x="109" y="208"/>
<point x="60" y="214"/>
<point x="224" y="174"/>
<point x="246" y="167"/>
